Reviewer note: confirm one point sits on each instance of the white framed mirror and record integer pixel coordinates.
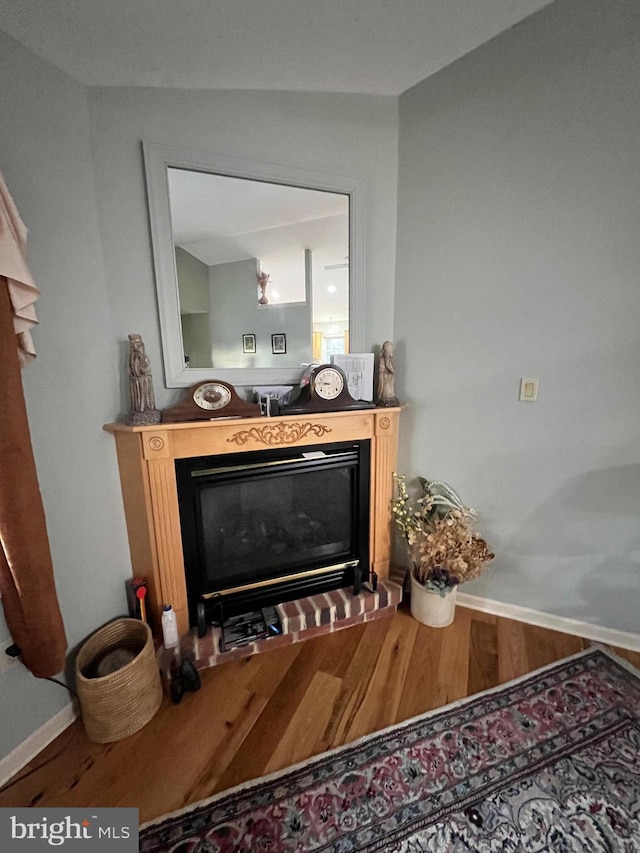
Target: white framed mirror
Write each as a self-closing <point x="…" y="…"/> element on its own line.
<point x="259" y="267"/>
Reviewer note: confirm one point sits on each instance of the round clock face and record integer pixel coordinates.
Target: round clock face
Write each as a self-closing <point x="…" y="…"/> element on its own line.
<point x="211" y="396"/>
<point x="328" y="383"/>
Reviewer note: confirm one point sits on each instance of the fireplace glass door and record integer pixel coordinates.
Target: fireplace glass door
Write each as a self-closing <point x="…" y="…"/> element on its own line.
<point x="267" y="526"/>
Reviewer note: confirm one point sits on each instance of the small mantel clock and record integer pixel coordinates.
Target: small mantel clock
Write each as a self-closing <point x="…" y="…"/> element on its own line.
<point x="210" y="399"/>
<point x="323" y="388"/>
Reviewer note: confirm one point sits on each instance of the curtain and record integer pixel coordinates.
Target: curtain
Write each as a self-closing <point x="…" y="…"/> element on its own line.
<point x="27" y="585"/>
<point x="317" y="345"/>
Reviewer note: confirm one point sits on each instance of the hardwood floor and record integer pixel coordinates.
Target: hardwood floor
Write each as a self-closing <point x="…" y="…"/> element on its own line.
<point x="259" y="715"/>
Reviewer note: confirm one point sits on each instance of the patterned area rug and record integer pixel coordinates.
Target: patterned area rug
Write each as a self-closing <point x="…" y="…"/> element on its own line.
<point x="550" y="762"/>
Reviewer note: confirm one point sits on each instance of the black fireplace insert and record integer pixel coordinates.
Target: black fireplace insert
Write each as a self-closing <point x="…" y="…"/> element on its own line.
<point x="263" y="527"/>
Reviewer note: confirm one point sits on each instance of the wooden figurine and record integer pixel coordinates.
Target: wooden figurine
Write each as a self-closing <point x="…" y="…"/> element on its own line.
<point x="386" y="377"/>
<point x="142" y="408"/>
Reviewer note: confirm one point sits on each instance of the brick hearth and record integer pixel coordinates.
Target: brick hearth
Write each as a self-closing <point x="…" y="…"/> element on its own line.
<point x="301" y="619"/>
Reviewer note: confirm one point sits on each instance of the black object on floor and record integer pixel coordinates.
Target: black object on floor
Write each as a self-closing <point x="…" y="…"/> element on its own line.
<point x="176" y="687"/>
<point x="183" y="677"/>
<point x="190" y="677"/>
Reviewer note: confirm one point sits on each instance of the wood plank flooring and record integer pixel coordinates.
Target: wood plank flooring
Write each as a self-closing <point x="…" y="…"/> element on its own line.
<point x="259" y="715"/>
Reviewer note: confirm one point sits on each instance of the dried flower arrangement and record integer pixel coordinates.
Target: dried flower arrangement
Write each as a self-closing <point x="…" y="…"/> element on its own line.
<point x="440" y="536"/>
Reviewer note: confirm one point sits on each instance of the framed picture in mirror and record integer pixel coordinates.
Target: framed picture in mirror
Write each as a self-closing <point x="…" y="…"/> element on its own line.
<point x="248" y="343"/>
<point x="279" y="344"/>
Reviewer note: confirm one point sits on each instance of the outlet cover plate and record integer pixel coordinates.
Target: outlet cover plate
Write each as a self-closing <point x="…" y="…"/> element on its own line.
<point x="528" y="390"/>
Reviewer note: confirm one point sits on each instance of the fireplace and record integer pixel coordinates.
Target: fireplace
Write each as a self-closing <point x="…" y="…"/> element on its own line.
<point x="147" y="461"/>
<point x="268" y="526"/>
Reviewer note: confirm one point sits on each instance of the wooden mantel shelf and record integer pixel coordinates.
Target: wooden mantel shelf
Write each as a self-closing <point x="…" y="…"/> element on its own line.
<point x="146" y="459"/>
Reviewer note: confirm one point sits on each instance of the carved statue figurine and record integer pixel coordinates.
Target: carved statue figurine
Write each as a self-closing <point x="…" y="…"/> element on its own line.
<point x="142" y="409"/>
<point x="386" y="376"/>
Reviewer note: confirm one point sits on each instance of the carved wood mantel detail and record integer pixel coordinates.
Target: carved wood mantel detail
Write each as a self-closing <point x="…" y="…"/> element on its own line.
<point x="146" y="459"/>
<point x="283" y="432"/>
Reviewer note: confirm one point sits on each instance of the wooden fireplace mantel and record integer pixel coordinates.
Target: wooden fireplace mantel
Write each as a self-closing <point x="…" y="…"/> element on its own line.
<point x="146" y="458"/>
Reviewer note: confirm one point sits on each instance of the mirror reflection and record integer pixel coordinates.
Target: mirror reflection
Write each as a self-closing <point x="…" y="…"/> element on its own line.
<point x="262" y="270"/>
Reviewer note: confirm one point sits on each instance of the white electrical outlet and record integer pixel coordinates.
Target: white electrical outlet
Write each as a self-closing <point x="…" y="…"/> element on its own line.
<point x="528" y="390"/>
<point x="6" y="661"/>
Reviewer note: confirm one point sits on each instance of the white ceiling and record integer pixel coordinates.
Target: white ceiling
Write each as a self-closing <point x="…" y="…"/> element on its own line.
<point x="206" y="206"/>
<point x="367" y="46"/>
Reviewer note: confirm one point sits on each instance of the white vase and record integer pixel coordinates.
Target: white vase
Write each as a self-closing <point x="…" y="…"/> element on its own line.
<point x="430" y="607"/>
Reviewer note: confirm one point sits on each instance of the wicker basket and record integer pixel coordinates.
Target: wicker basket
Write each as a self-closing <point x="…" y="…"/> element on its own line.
<point x="119" y="704"/>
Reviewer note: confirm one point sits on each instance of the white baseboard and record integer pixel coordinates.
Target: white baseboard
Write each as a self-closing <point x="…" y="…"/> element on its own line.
<point x="29" y="748"/>
<point x="598" y="633"/>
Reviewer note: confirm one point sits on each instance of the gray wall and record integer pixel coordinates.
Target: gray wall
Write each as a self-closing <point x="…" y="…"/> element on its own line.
<point x="518" y="255"/>
<point x="196" y="339"/>
<point x="193" y="283"/>
<point x="72" y="387"/>
<point x="235" y="311"/>
<point x="195" y="305"/>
